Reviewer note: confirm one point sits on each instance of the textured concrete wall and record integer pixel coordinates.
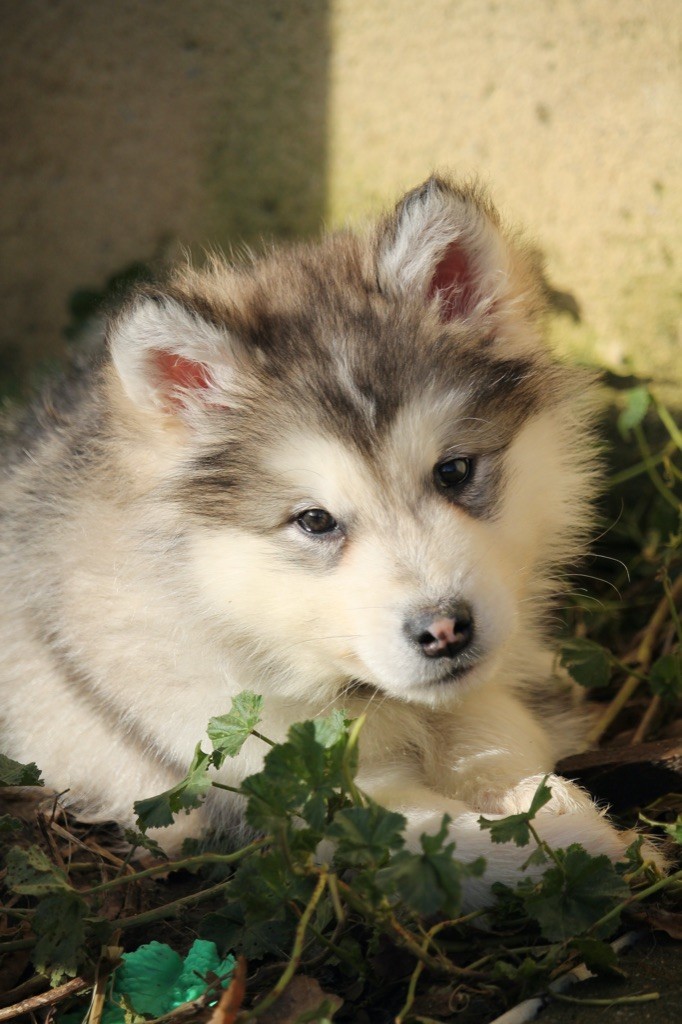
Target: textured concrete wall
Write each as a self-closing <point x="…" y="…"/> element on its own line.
<point x="128" y="126"/>
<point x="570" y="109"/>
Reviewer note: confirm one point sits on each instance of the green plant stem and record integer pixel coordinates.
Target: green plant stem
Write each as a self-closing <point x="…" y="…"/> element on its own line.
<point x="330" y="947"/>
<point x="336" y="899"/>
<point x="265" y="739"/>
<point x="353" y="736"/>
<point x="669" y="423"/>
<point x="411" y="992"/>
<point x="546" y="848"/>
<point x="646" y="997"/>
<point x="670" y="593"/>
<point x="643" y="659"/>
<point x="636" y="897"/>
<point x="295" y="958"/>
<point x="223" y="785"/>
<point x="196" y="861"/>
<point x="642" y="467"/>
<point x="390" y="924"/>
<point x="416" y="973"/>
<point x="170" y="909"/>
<point x="16" y="944"/>
<point x="654" y="475"/>
<point x="628" y="669"/>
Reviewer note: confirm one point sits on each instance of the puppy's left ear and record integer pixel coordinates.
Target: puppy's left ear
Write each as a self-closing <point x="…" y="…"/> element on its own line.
<point x="444" y="244"/>
<point x="171" y="360"/>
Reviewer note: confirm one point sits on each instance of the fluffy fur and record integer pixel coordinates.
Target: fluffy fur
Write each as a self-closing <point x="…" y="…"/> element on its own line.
<point x="154" y="561"/>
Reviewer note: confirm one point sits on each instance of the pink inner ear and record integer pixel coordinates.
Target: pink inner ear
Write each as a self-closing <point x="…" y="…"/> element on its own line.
<point x="453" y="281"/>
<point x="180" y="372"/>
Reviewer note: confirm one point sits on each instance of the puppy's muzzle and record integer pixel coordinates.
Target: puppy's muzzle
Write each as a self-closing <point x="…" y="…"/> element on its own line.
<point x="442" y="633"/>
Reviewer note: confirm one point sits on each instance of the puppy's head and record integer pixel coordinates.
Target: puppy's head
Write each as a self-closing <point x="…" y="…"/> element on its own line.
<point x="374" y="467"/>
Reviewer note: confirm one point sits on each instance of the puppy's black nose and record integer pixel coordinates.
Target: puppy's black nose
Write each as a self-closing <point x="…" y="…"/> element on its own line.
<point x="442" y="634"/>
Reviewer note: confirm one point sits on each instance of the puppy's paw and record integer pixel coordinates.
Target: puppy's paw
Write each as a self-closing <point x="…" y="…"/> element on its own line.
<point x="566" y="798"/>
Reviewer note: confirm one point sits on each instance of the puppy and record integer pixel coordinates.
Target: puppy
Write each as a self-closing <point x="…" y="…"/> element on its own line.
<point x="341" y="475"/>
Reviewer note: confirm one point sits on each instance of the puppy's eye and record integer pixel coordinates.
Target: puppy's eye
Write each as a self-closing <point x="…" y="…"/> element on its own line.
<point x="453" y="472"/>
<point x="317" y="521"/>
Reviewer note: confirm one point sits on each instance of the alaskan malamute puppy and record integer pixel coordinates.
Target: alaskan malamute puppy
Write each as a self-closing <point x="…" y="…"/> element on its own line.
<point x="341" y="475"/>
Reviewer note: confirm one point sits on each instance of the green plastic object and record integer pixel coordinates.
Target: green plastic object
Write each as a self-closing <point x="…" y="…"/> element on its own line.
<point x="154" y="979"/>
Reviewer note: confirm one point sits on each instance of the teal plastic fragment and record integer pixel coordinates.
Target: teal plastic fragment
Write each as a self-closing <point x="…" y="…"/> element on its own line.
<point x="154" y="979"/>
<point x="148" y="977"/>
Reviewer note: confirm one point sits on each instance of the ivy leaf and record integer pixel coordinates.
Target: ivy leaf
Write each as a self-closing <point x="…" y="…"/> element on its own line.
<point x="514" y="828"/>
<point x="587" y="662"/>
<point x="366" y="835"/>
<point x="541" y="796"/>
<point x="139" y="839"/>
<point x="159" y="811"/>
<point x="12" y="773"/>
<point x="31" y="873"/>
<point x="227" y="929"/>
<point x="8" y="824"/>
<point x="598" y="956"/>
<point x="229" y="732"/>
<point x="430" y="881"/>
<point x="59" y="924"/>
<point x="536" y="859"/>
<point x="673" y="828"/>
<point x="638" y="401"/>
<point x="331" y="729"/>
<point x="302" y="776"/>
<point x="574" y="894"/>
<point x="527" y="976"/>
<point x="665" y="677"/>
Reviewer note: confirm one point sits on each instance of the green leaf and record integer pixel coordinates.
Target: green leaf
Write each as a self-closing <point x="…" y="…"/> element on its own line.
<point x="587" y="662"/>
<point x="638" y="401"/>
<point x="541" y="796"/>
<point x="303" y="776"/>
<point x="527" y="976"/>
<point x="366" y="835"/>
<point x="8" y="824"/>
<point x="537" y="858"/>
<point x="673" y="828"/>
<point x="574" y="894"/>
<point x="665" y="677"/>
<point x="159" y="811"/>
<point x="261" y="921"/>
<point x="31" y="873"/>
<point x="322" y="1014"/>
<point x="229" y="732"/>
<point x="331" y="729"/>
<point x="514" y="828"/>
<point x="431" y="881"/>
<point x="59" y="924"/>
<point x="139" y="839"/>
<point x="12" y="773"/>
<point x="598" y="956"/>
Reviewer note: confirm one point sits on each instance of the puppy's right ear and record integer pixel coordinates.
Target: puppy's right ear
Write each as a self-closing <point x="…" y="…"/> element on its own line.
<point x="170" y="358"/>
<point x="444" y="245"/>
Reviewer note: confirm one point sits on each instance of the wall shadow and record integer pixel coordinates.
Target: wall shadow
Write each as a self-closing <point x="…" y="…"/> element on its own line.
<point x="131" y="128"/>
<point x="269" y="161"/>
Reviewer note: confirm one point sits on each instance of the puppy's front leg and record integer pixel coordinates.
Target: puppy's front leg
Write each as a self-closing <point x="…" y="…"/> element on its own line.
<point x="424" y="810"/>
<point x="498" y="754"/>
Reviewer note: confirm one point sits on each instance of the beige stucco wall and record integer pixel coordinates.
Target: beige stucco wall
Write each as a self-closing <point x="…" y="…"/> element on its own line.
<point x="128" y="127"/>
<point x="570" y="109"/>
